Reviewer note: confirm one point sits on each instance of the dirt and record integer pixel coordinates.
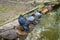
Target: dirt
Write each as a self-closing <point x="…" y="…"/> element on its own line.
<point x="10" y="10"/>
<point x="16" y="0"/>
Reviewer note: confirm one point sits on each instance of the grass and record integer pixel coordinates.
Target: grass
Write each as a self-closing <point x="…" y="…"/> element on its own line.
<point x="2" y="22"/>
<point x="19" y="12"/>
<point x="3" y="9"/>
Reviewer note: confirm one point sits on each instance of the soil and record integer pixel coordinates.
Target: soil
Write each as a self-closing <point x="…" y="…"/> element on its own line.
<point x="10" y="10"/>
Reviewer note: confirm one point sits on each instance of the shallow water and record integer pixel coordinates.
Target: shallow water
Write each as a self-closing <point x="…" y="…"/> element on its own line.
<point x="47" y="29"/>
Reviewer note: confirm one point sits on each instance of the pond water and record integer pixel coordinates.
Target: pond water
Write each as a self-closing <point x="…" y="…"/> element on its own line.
<point x="48" y="27"/>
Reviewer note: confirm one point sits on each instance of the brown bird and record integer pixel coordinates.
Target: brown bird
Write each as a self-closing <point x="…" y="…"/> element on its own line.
<point x="46" y="8"/>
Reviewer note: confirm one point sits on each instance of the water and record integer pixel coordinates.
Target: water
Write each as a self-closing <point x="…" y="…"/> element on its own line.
<point x="47" y="29"/>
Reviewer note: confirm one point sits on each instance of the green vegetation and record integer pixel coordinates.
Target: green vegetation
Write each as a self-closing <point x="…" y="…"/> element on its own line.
<point x="6" y="10"/>
<point x="3" y="9"/>
<point x="19" y="12"/>
<point x="6" y="20"/>
<point x="1" y="21"/>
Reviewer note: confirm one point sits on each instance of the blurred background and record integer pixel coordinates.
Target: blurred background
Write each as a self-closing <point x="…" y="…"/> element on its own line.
<point x="47" y="29"/>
